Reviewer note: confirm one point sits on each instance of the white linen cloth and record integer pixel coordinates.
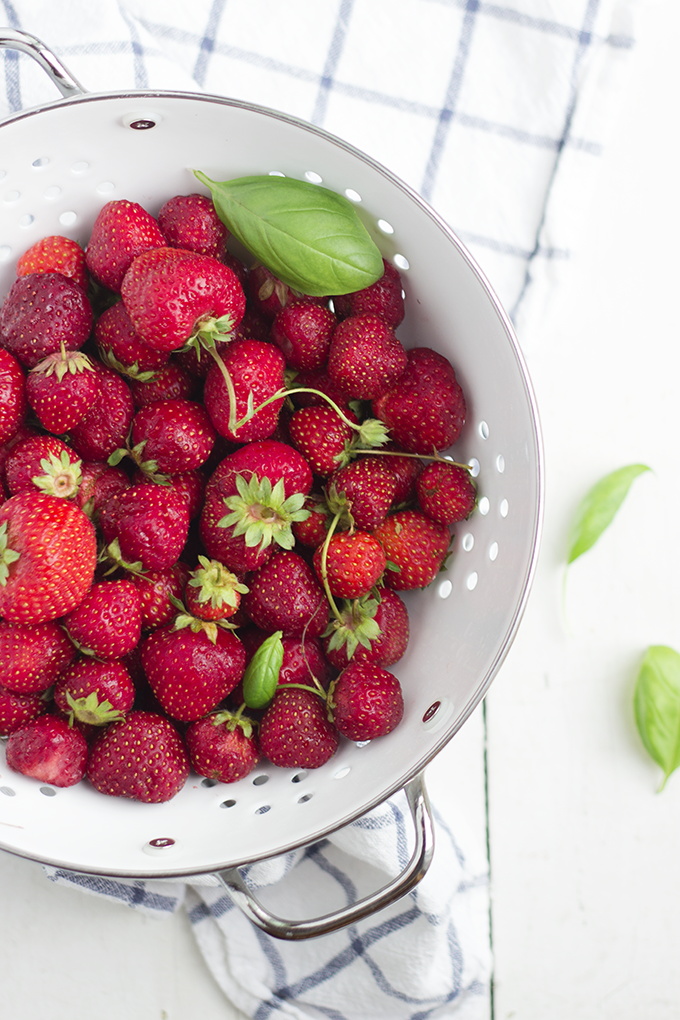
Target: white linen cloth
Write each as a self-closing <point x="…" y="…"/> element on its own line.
<point x="496" y="112"/>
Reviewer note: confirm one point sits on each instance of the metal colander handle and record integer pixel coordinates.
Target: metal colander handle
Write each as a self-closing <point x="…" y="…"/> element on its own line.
<point x="11" y="39"/>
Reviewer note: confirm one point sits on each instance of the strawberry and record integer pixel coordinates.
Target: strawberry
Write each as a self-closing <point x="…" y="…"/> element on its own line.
<point x="43" y="463"/>
<point x="285" y="595"/>
<point x="303" y="659"/>
<point x="189" y="672"/>
<point x="190" y="485"/>
<point x="191" y="222"/>
<point x="350" y="563"/>
<point x="33" y="655"/>
<point x="48" y="749"/>
<point x="383" y="298"/>
<point x="94" y="693"/>
<point x="98" y="482"/>
<point x="121" y="348"/>
<point x="121" y="232"/>
<point x="169" y="382"/>
<point x="366" y="358"/>
<point x="156" y="590"/>
<point x="55" y="254"/>
<point x="295" y="731"/>
<point x="105" y="426"/>
<point x="365" y="701"/>
<point x="369" y="630"/>
<point x="149" y="525"/>
<point x="303" y="331"/>
<point x="267" y="294"/>
<point x="446" y="492"/>
<point x="222" y="746"/>
<point x="13" y="403"/>
<point x="142" y="758"/>
<point x="310" y="383"/>
<point x="415" y="547"/>
<point x="42" y="311"/>
<point x="425" y="409"/>
<point x="367" y="488"/>
<point x="17" y="709"/>
<point x="108" y="622"/>
<point x="212" y="592"/>
<point x="61" y="389"/>
<point x="48" y="554"/>
<point x="255" y="370"/>
<point x="313" y="530"/>
<point x="322" y="437"/>
<point x="172" y="296"/>
<point x="171" y="436"/>
<point x="405" y="468"/>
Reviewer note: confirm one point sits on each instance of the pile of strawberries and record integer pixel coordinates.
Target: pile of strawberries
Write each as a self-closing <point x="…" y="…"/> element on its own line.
<point x="213" y="491"/>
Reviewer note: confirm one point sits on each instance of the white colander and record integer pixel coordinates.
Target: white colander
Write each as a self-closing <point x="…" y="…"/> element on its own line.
<point x="58" y="165"/>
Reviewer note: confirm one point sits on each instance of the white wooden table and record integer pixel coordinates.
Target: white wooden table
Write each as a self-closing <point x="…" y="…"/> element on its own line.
<point x="585" y="886"/>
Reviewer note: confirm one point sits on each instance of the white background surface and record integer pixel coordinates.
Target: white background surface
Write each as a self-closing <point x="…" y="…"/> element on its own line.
<point x="585" y="879"/>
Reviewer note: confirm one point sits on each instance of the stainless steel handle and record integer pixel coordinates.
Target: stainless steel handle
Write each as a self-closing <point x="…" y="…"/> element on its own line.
<point x="414" y="871"/>
<point x="11" y="39"/>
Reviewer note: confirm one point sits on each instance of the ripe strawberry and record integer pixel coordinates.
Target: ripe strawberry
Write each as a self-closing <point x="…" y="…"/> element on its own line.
<point x="222" y="746"/>
<point x="191" y="222"/>
<point x="425" y="410"/>
<point x="415" y="546"/>
<point x="94" y="693"/>
<point x="170" y="382"/>
<point x="121" y="348"/>
<point x="170" y="436"/>
<point x="172" y="296"/>
<point x="61" y="389"/>
<point x="40" y="312"/>
<point x="268" y="295"/>
<point x="55" y="254"/>
<point x="142" y="758"/>
<point x="383" y="298"/>
<point x="365" y="701"/>
<point x="317" y="381"/>
<point x="295" y="731"/>
<point x="43" y="463"/>
<point x="13" y="402"/>
<point x="48" y="749"/>
<point x="405" y="469"/>
<point x="121" y="232"/>
<point x="366" y="358"/>
<point x="33" y="655"/>
<point x="108" y="622"/>
<point x="446" y="492"/>
<point x="150" y="524"/>
<point x="17" y="709"/>
<point x="212" y="592"/>
<point x="313" y="530"/>
<point x="369" y="630"/>
<point x="303" y="331"/>
<point x="350" y="563"/>
<point x="98" y="482"/>
<point x="303" y="659"/>
<point x="285" y="595"/>
<point x="190" y="485"/>
<point x="367" y="487"/>
<point x="156" y="590"/>
<point x="48" y="554"/>
<point x="105" y="426"/>
<point x="322" y="437"/>
<point x="256" y="372"/>
<point x="188" y="672"/>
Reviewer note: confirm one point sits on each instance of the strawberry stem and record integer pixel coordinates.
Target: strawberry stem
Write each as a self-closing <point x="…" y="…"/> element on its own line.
<point x="324" y="574"/>
<point x="232" y="424"/>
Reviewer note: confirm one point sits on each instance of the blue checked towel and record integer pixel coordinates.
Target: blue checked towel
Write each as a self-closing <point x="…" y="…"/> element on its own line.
<point x="496" y="113"/>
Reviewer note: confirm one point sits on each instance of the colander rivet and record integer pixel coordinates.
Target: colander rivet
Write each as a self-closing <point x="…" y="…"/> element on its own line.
<point x="432" y="711"/>
<point x="143" y="125"/>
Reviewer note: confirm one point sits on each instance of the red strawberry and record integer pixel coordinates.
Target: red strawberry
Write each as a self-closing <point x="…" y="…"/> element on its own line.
<point x="369" y="630"/>
<point x="48" y="749"/>
<point x="405" y="469"/>
<point x="416" y="547"/>
<point x="222" y="746"/>
<point x="171" y="436"/>
<point x="150" y="524"/>
<point x="285" y="595"/>
<point x="303" y="331"/>
<point x="313" y="530"/>
<point x="322" y="437"/>
<point x="108" y="622"/>
<point x="13" y="402"/>
<point x="55" y="254"/>
<point x="212" y="592"/>
<point x="303" y="659"/>
<point x="98" y="482"/>
<point x="43" y="463"/>
<point x="121" y="347"/>
<point x="170" y="382"/>
<point x="366" y="701"/>
<point x="17" y="709"/>
<point x="156" y="588"/>
<point x="366" y="359"/>
<point x="190" y="485"/>
<point x="446" y="492"/>
<point x="191" y="222"/>
<point x="309" y="383"/>
<point x="121" y="232"/>
<point x="172" y="295"/>
<point x="350" y="563"/>
<point x="368" y="488"/>
<point x="33" y="655"/>
<point x="41" y="312"/>
<point x="142" y="758"/>
<point x="268" y="295"/>
<point x="188" y="672"/>
<point x="256" y="373"/>
<point x="295" y="731"/>
<point x="48" y="554"/>
<point x="425" y="410"/>
<point x="383" y="298"/>
<point x="105" y="426"/>
<point x="61" y="389"/>
<point x="94" y="693"/>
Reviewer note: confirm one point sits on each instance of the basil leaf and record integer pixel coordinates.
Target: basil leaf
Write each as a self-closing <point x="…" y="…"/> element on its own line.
<point x="261" y="677"/>
<point x="598" y="508"/>
<point x="657" y="707"/>
<point x="309" y="237"/>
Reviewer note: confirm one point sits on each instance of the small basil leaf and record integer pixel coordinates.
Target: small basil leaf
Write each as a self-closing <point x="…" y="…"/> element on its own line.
<point x="657" y="707"/>
<point x="598" y="508"/>
<point x="309" y="237"/>
<point x="261" y="677"/>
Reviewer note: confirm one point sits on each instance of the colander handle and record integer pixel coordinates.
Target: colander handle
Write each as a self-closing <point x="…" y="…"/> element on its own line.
<point x="11" y="39"/>
<point x="414" y="871"/>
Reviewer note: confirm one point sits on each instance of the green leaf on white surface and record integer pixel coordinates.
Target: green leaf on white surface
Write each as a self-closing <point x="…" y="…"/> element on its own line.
<point x="657" y="707"/>
<point x="598" y="508"/>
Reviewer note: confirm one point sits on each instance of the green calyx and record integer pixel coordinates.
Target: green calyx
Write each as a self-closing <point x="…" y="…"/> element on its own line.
<point x="62" y="475"/>
<point x="112" y="554"/>
<point x="210" y="331"/>
<point x="216" y="585"/>
<point x="136" y="453"/>
<point x="61" y="363"/>
<point x="262" y="513"/>
<point x="131" y="371"/>
<point x="92" y="711"/>
<point x="7" y="555"/>
<point x="355" y="625"/>
<point x="232" y="721"/>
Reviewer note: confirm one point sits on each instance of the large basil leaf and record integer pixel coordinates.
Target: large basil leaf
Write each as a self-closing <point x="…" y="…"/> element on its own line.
<point x="657" y="706"/>
<point x="309" y="237"/>
<point x="598" y="508"/>
<point x="261" y="677"/>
